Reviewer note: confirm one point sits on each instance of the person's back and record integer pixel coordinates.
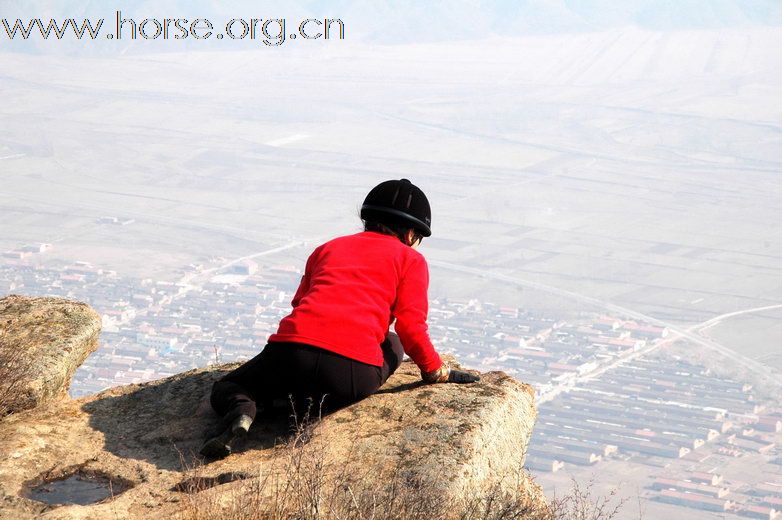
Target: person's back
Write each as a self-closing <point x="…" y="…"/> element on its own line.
<point x="349" y="286"/>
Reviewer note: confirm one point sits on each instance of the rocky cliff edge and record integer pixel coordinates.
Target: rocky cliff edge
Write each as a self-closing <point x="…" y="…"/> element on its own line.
<point x="446" y="443"/>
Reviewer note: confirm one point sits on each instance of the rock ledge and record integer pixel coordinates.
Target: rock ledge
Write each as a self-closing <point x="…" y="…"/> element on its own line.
<point x="460" y="439"/>
<point x="42" y="343"/>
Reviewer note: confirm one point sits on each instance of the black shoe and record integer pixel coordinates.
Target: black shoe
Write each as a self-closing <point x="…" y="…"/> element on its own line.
<point x="219" y="446"/>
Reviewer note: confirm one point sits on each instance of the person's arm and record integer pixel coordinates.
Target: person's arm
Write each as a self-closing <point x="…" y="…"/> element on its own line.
<point x="410" y="309"/>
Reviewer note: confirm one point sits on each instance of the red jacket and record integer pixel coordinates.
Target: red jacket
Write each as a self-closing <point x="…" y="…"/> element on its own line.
<point x="352" y="288"/>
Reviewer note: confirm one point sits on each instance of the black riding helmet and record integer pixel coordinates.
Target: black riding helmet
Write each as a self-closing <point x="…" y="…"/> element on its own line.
<point x="398" y="202"/>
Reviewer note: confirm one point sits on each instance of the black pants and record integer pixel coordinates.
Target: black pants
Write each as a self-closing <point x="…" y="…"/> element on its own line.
<point x="310" y="375"/>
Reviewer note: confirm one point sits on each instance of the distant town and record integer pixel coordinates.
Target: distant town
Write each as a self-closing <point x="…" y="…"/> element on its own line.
<point x="609" y="394"/>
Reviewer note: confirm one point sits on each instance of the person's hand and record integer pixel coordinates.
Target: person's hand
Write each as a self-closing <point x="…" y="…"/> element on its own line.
<point x="446" y="374"/>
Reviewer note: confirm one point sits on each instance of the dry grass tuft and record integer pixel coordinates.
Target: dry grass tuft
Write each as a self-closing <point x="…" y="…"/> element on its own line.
<point x="303" y="484"/>
<point x="580" y="504"/>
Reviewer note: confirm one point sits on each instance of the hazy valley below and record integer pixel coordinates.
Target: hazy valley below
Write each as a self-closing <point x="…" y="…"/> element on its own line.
<point x="628" y="174"/>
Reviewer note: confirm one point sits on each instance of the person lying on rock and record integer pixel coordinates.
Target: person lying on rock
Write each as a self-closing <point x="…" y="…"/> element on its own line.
<point x="335" y="347"/>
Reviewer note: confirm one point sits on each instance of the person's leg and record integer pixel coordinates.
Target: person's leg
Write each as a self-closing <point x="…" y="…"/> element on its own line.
<point x="237" y="410"/>
<point x="393" y="353"/>
<point x="234" y="398"/>
<point x="231" y="400"/>
<point x="235" y="393"/>
<point x="345" y="381"/>
<point x="322" y="381"/>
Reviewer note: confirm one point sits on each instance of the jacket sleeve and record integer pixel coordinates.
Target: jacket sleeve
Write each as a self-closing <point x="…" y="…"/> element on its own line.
<point x="304" y="284"/>
<point x="411" y="309"/>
